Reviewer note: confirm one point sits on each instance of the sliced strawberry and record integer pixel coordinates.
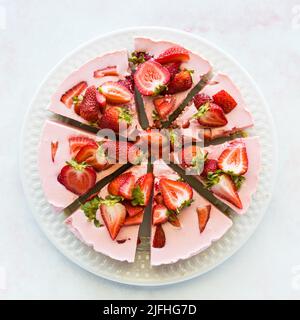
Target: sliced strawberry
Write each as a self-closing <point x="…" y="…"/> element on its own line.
<point x="225" y="189"/>
<point x="113" y="116"/>
<point x="67" y="97"/>
<point x="115" y="185"/>
<point x="89" y="107"/>
<point x="173" y="68"/>
<point x="54" y="147"/>
<point x="132" y="210"/>
<point x="78" y="178"/>
<point x="176" y="194"/>
<point x="225" y="101"/>
<point x="126" y="187"/>
<point x="122" y="152"/>
<point x="115" y="92"/>
<point x="182" y="81"/>
<point x="142" y="190"/>
<point x="203" y="216"/>
<point x="128" y="82"/>
<point x="135" y="220"/>
<point x="160" y="214"/>
<point x="234" y="159"/>
<point x="113" y="217"/>
<point x="159" y="239"/>
<point x="101" y="101"/>
<point x="159" y="199"/>
<point x="173" y="54"/>
<point x="200" y="99"/>
<point x="164" y="105"/>
<point x="211" y="115"/>
<point x="92" y="155"/>
<point x="151" y="78"/>
<point x="192" y="155"/>
<point x="104" y="72"/>
<point x="174" y="220"/>
<point x="77" y="142"/>
<point x="210" y="165"/>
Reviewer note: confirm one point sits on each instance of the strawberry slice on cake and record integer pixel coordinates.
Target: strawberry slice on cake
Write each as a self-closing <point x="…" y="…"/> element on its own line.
<point x="109" y="222"/>
<point x="183" y="222"/>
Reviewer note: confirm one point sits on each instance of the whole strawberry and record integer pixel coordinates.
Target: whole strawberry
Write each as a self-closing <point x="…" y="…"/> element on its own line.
<point x="89" y="107"/>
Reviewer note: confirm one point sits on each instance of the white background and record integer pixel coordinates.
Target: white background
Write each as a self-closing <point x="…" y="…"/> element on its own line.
<point x="264" y="36"/>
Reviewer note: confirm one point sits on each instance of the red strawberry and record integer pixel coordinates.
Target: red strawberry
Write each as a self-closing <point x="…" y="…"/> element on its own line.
<point x="115" y="92"/>
<point x="174" y="220"/>
<point x="192" y="155"/>
<point x="128" y="83"/>
<point x="142" y="190"/>
<point x="135" y="220"/>
<point x="173" y="54"/>
<point x="182" y="81"/>
<point x="176" y="194"/>
<point x="54" y="147"/>
<point x="159" y="239"/>
<point x="173" y="68"/>
<point x="159" y="199"/>
<point x="225" y="189"/>
<point x="164" y="105"/>
<point x="225" y="101"/>
<point x="234" y="159"/>
<point x="113" y="116"/>
<point x="104" y="72"/>
<point x="92" y="155"/>
<point x="126" y="187"/>
<point x="101" y="101"/>
<point x="78" y="178"/>
<point x="203" y="216"/>
<point x="113" y="217"/>
<point x="67" y="97"/>
<point x="115" y="185"/>
<point x="211" y="115"/>
<point x="89" y="107"/>
<point x="200" y="99"/>
<point x="131" y="210"/>
<point x="210" y="165"/>
<point x="151" y="78"/>
<point x="77" y="142"/>
<point x="160" y="214"/>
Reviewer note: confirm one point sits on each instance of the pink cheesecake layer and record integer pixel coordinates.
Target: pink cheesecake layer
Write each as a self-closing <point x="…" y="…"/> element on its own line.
<point x="249" y="186"/>
<point x="196" y="63"/>
<point x="184" y="242"/>
<point x="57" y="195"/>
<point x="99" y="238"/>
<point x="238" y="119"/>
<point x="86" y="73"/>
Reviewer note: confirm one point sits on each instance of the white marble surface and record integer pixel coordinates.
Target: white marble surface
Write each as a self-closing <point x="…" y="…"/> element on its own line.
<point x="264" y="36"/>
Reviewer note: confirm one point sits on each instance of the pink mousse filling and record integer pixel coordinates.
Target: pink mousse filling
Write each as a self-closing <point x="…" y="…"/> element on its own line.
<point x="99" y="238"/>
<point x="184" y="242"/>
<point x="57" y="195"/>
<point x="196" y="63"/>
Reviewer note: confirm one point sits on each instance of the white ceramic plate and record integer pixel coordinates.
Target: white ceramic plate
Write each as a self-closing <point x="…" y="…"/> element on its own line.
<point x="140" y="272"/>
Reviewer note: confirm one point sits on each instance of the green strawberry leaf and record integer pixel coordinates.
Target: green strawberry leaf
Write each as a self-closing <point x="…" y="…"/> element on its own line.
<point x="111" y="200"/>
<point x="125" y="115"/>
<point x="90" y="208"/>
<point x="202" y="110"/>
<point x="138" y="197"/>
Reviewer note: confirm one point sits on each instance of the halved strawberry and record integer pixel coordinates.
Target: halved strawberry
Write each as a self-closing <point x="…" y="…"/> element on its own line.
<point x="210" y="165"/>
<point x="173" y="54"/>
<point x="151" y="78"/>
<point x="89" y="107"/>
<point x="159" y="198"/>
<point x="200" y="99"/>
<point x="193" y="155"/>
<point x="211" y="115"/>
<point x="226" y="189"/>
<point x="113" y="217"/>
<point x="234" y="158"/>
<point x="174" y="220"/>
<point x="101" y="101"/>
<point x="113" y="116"/>
<point x="115" y="185"/>
<point x="132" y="210"/>
<point x="176" y="194"/>
<point x="142" y="190"/>
<point x="78" y="178"/>
<point x="67" y="97"/>
<point x="126" y="188"/>
<point x="173" y="68"/>
<point x="225" y="101"/>
<point x="203" y="216"/>
<point x="54" y="147"/>
<point x="182" y="81"/>
<point x="107" y="71"/>
<point x="159" y="239"/>
<point x="135" y="220"/>
<point x="160" y="214"/>
<point x="92" y="155"/>
<point x="115" y="92"/>
<point x="164" y="105"/>
<point x="77" y="142"/>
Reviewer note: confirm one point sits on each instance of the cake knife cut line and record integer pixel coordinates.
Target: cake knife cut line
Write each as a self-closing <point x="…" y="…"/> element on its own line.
<point x="95" y="189"/>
